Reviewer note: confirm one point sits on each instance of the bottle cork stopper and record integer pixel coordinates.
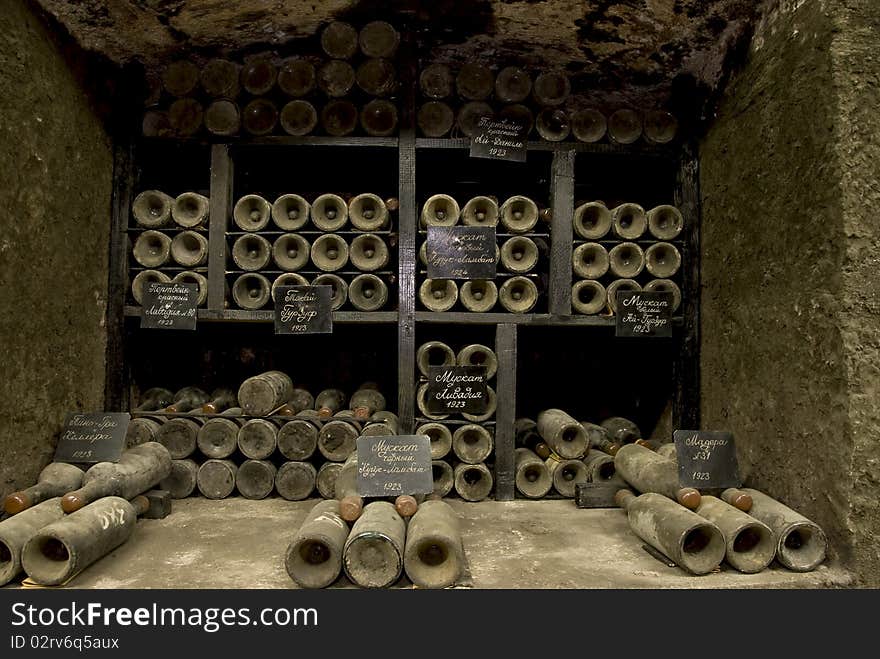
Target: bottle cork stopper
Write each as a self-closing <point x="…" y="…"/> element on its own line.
<point x="406" y="505"/>
<point x="16" y="502"/>
<point x="622" y="497"/>
<point x="392" y="204"/>
<point x="350" y="508"/>
<point x="141" y="504"/>
<point x="737" y="498"/>
<point x="72" y="502"/>
<point x="362" y="413"/>
<point x="688" y="497"/>
<point x="325" y="413"/>
<point x="209" y="408"/>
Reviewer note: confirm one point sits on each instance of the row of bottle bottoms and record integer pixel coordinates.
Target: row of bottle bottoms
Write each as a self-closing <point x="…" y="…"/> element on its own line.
<point x="517" y="294"/>
<point x="590" y="297"/>
<point x="153" y="209"/>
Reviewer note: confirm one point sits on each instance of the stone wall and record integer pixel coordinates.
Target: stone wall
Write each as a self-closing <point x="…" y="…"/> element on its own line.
<point x="55" y="190"/>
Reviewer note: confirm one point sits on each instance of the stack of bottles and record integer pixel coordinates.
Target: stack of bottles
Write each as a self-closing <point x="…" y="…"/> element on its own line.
<point x="624" y="248"/>
<point x="454" y="102"/>
<point x="462" y="445"/>
<point x="349" y="245"/>
<point x="168" y="241"/>
<point x="350" y="83"/>
<point x="521" y="254"/>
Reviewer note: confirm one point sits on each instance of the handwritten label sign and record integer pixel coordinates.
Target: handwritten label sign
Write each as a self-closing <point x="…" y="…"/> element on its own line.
<point x="94" y="437"/>
<point x="644" y="313"/>
<point x="303" y="310"/>
<point x="500" y="139"/>
<point x="170" y="306"/>
<point x="457" y="389"/>
<point x="390" y="466"/>
<point x="461" y="252"/>
<point x="706" y="459"/>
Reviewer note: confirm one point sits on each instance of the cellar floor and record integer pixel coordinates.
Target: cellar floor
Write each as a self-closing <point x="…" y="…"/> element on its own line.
<point x="239" y="543"/>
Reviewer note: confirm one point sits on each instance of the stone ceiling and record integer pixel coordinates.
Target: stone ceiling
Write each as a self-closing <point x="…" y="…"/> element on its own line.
<point x="631" y="50"/>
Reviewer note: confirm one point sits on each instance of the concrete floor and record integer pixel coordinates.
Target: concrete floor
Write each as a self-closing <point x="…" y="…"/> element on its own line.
<point x="239" y="543"/>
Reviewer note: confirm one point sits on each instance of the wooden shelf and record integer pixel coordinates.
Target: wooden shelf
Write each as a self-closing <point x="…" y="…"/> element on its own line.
<point x="268" y="315"/>
<point x="280" y="140"/>
<point x="638" y="149"/>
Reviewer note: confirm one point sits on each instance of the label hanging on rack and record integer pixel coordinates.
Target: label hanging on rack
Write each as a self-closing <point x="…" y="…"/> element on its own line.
<point x="457" y="389"/>
<point x="644" y="313"/>
<point x="92" y="437"/>
<point x="706" y="459"/>
<point x="391" y="466"/>
<point x="170" y="306"/>
<point x="303" y="310"/>
<point x="500" y="139"/>
<point x="461" y="252"/>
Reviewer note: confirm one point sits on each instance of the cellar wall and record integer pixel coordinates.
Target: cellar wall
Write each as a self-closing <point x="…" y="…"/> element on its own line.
<point x="55" y="189"/>
<point x="789" y="309"/>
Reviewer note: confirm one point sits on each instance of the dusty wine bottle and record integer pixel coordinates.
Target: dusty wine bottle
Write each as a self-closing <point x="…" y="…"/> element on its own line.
<point x="662" y="260"/>
<point x="55" y="479"/>
<point x="180" y="78"/>
<point x="373" y="553"/>
<point x="434" y="553"/>
<point x="660" y="127"/>
<point x="440" y="437"/>
<point x="339" y="40"/>
<point x="526" y="436"/>
<point x="339" y="117"/>
<point x="588" y="125"/>
<point x="368" y="292"/>
<point x="297" y="439"/>
<point x="588" y="297"/>
<point x="258" y="76"/>
<point x="620" y="285"/>
<point x="477" y="354"/>
<point x="218" y="436"/>
<point x="336" y="78"/>
<point x="298" y="118"/>
<point x="351" y="504"/>
<point x="436" y="81"/>
<point x="378" y="39"/>
<point x="601" y="469"/>
<point x="518" y="114"/>
<point x="800" y="543"/>
<point x="152" y="249"/>
<point x="590" y="261"/>
<point x="328" y="402"/>
<point x="629" y="221"/>
<point x="479" y="295"/>
<point x="314" y="555"/>
<point x="295" y="481"/>
<point x="255" y="479"/>
<point x="366" y="401"/>
<point x="296" y="78"/>
<point x="434" y="353"/>
<point x="216" y="478"/>
<point x="566" y="474"/>
<point x="491" y="403"/>
<point x="626" y="260"/>
<point x="251" y="291"/>
<point x="532" y="478"/>
<point x="435" y="119"/>
<point x="291" y="252"/>
<point x="598" y="438"/>
<point x="470" y="116"/>
<point x="369" y="252"/>
<point x="187" y="399"/>
<point x="258" y="438"/>
<point x="259" y="117"/>
<point x="438" y="294"/>
<point x="152" y="209"/>
<point x="192" y="277"/>
<point x="621" y="430"/>
<point x="474" y="82"/>
<point x="648" y="472"/>
<point x="260" y="394"/>
<point x="553" y="125"/>
<point x="156" y="398"/>
<point x="329" y="212"/>
<point x="325" y="479"/>
<point x="189" y="249"/>
<point x="330" y="252"/>
<point x="624" y="126"/>
<point x="519" y="254"/>
<point x="222" y="117"/>
<point x="592" y="220"/>
<point x="219" y="78"/>
<point x="15" y="532"/>
<point x="472" y="443"/>
<point x="339" y="292"/>
<point x="190" y="210"/>
<point x="518" y="294"/>
<point x="519" y="214"/>
<point x="251" y="252"/>
<point x="440" y="210"/>
<point x="186" y="117"/>
<point x="181" y="482"/>
<point x="666" y="286"/>
<point x="180" y="434"/>
<point x="251" y="213"/>
<point x="444" y="477"/>
<point x="480" y="211"/>
<point x="300" y="399"/>
<point x="565" y="436"/>
<point x="512" y="85"/>
<point x="691" y="541"/>
<point x="422" y="404"/>
<point x="473" y="482"/>
<point x="749" y="544"/>
<point x="221" y="399"/>
<point x="376" y="76"/>
<point x="290" y="212"/>
<point x="381" y="424"/>
<point x="142" y="279"/>
<point x="665" y="222"/>
<point x="337" y="438"/>
<point x="288" y="279"/>
<point x="367" y="212"/>
<point x="138" y="469"/>
<point x="551" y="88"/>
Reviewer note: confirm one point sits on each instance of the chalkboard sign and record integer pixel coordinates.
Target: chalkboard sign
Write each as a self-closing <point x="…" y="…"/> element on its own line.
<point x="644" y="313"/>
<point x="706" y="459"/>
<point x="500" y="139"/>
<point x="461" y="252"/>
<point x="596" y="495"/>
<point x="170" y="306"/>
<point x="457" y="389"/>
<point x="303" y="310"/>
<point x="94" y="437"/>
<point x="390" y="466"/>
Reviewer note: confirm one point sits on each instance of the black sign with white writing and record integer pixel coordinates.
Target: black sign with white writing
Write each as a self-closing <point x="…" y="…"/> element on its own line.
<point x="170" y="306"/>
<point x="303" y="310"/>
<point x="391" y="466"/>
<point x="596" y="495"/>
<point x="461" y="252"/>
<point x="500" y="139"/>
<point x="94" y="437"/>
<point x="457" y="389"/>
<point x="644" y="313"/>
<point x="706" y="459"/>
